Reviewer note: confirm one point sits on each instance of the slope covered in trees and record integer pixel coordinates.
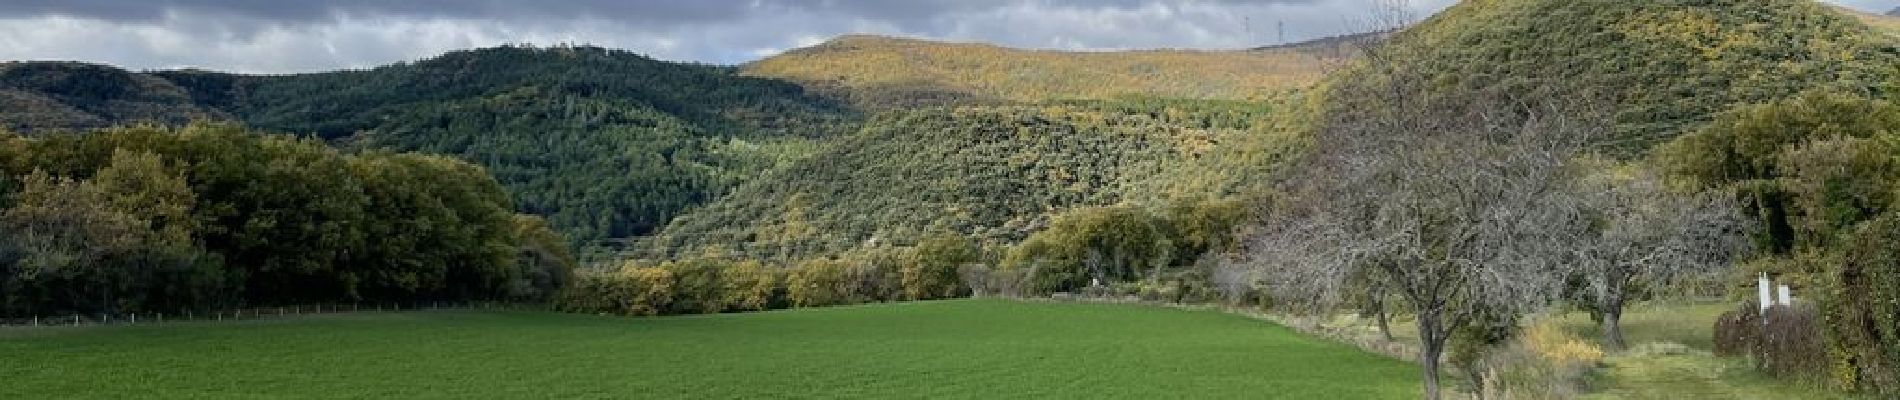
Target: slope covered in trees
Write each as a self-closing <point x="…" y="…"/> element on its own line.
<point x="605" y="143"/>
<point x="994" y="172"/>
<point x="41" y="96"/>
<point x="1669" y="65"/>
<point x="888" y="72"/>
<point x="338" y="104"/>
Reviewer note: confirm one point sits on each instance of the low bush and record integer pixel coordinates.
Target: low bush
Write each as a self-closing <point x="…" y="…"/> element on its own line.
<point x="1003" y="282"/>
<point x="932" y="270"/>
<point x="1542" y="362"/>
<point x="714" y="285"/>
<point x="1787" y="342"/>
<point x="875" y="280"/>
<point x="818" y="282"/>
<point x="698" y="286"/>
<point x="631" y="290"/>
<point x="749" y="286"/>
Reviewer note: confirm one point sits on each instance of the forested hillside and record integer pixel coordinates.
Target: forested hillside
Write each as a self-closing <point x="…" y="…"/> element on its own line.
<point x="604" y="143"/>
<point x="42" y="96"/>
<point x="997" y="173"/>
<point x="1669" y="65"/>
<point x="338" y="104"/>
<point x="885" y="72"/>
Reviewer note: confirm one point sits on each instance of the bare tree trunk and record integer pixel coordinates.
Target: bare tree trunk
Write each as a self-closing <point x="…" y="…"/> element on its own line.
<point x="1612" y="331"/>
<point x="1611" y="307"/>
<point x="1384" y="318"/>
<point x="1431" y="346"/>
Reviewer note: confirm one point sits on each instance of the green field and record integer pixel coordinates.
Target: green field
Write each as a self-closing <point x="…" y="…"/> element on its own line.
<point x="946" y="349"/>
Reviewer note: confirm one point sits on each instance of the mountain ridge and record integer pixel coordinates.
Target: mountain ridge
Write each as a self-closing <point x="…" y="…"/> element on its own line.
<point x="884" y="72"/>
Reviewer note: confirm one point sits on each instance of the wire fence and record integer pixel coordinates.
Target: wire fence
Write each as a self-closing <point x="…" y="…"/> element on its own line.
<point x="256" y="313"/>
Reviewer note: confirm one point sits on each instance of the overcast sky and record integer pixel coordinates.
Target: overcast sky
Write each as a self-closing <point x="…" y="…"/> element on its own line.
<point x="271" y="36"/>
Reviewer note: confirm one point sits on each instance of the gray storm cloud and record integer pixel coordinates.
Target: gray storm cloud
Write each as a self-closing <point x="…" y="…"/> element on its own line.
<point x="293" y="36"/>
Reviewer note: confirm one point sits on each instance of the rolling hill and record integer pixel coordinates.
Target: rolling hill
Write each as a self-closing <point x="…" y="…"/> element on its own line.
<point x="1889" y="22"/>
<point x="609" y="144"/>
<point x="766" y="159"/>
<point x="998" y="171"/>
<point x="41" y="96"/>
<point x="1669" y="65"/>
<point x="994" y="172"/>
<point x="604" y="143"/>
<point x="887" y="72"/>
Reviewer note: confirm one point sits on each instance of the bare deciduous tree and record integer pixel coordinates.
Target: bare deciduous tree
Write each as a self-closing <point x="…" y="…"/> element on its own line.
<point x="1643" y="233"/>
<point x="1452" y="196"/>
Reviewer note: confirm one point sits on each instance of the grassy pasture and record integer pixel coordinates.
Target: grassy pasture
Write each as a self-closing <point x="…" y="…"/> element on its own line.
<point x="947" y="349"/>
<point x="1670" y="359"/>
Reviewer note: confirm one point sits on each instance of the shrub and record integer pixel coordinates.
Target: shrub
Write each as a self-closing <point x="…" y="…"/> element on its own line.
<point x="932" y="272"/>
<point x="1863" y="316"/>
<point x="698" y="288"/>
<point x="1795" y="342"/>
<point x="976" y="277"/>
<point x="587" y="293"/>
<point x="818" y="282"/>
<point x="632" y="290"/>
<point x="749" y="286"/>
<point x="1543" y="362"/>
<point x="1787" y="342"/>
<point x="1476" y="342"/>
<point x="1736" y="331"/>
<point x="1112" y="243"/>
<point x="873" y="280"/>
<point x="983" y="280"/>
<point x="644" y="290"/>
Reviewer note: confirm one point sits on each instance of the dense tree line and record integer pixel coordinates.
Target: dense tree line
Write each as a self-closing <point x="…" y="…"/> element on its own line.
<point x="210" y="215"/>
<point x="598" y="168"/>
<point x="607" y="144"/>
<point x="1161" y="253"/>
<point x="713" y="283"/>
<point x="1107" y="245"/>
